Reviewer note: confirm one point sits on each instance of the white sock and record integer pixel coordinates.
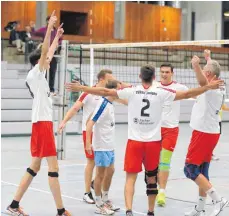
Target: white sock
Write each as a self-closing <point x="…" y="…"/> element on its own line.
<point x="98" y="200"/>
<point x="214" y="195"/>
<point x="201" y="203"/>
<point x="161" y="190"/>
<point x="105" y="196"/>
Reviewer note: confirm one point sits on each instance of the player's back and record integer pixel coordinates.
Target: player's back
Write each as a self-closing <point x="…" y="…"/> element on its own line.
<point x="144" y="112"/>
<point x="205" y="112"/>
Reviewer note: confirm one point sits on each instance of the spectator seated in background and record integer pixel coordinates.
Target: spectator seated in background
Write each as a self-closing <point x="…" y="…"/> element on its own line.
<point x="26" y="37"/>
<point x="15" y="38"/>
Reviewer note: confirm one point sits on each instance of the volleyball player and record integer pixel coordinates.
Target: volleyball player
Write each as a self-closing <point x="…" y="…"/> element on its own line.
<point x="42" y="139"/>
<point x="145" y="104"/>
<point x="205" y="136"/>
<point x="88" y="102"/>
<point x="102" y="123"/>
<point x="169" y="129"/>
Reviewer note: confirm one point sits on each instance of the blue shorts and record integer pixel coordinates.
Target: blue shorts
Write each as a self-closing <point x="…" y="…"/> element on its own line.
<point x="104" y="158"/>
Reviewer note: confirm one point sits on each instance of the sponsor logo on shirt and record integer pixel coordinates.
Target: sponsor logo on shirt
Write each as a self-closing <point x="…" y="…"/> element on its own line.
<point x="147" y="93"/>
<point x="143" y="121"/>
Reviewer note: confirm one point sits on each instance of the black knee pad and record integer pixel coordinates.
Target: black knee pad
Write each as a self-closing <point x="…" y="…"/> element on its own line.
<point x="191" y="171"/>
<point x="31" y="172"/>
<point x="53" y="174"/>
<point x="151" y="189"/>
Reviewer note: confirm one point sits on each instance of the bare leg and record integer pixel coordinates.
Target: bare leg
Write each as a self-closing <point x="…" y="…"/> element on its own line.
<point x="129" y="189"/>
<point x="108" y="177"/>
<point x="54" y="181"/>
<point x="88" y="173"/>
<point x="27" y="179"/>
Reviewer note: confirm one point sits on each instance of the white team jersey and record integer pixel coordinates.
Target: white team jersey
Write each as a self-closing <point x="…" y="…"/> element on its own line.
<point x="104" y="128"/>
<point x="145" y="111"/>
<point x="89" y="103"/>
<point x="205" y="112"/>
<point x="171" y="110"/>
<point x="39" y="89"/>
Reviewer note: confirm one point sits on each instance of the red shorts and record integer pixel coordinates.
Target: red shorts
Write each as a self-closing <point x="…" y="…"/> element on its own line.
<point x="42" y="140"/>
<point x="138" y="153"/>
<point x="201" y="147"/>
<point x="169" y="138"/>
<point x="86" y="153"/>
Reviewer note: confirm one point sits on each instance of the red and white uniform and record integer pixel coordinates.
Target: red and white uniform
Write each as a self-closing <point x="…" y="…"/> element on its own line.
<point x="144" y="125"/>
<point x="205" y="125"/>
<point x="42" y="139"/>
<point x="170" y="118"/>
<point x="89" y="103"/>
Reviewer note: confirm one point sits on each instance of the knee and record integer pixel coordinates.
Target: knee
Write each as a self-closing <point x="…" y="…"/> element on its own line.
<point x="53" y="172"/>
<point x="191" y="171"/>
<point x="36" y="168"/>
<point x="151" y="182"/>
<point x="54" y="169"/>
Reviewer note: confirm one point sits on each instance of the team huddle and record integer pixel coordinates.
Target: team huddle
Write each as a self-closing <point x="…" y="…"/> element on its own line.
<point x="153" y="128"/>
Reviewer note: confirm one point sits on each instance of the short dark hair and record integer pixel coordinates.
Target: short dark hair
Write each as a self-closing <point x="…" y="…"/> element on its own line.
<point x="47" y="18"/>
<point x="112" y="84"/>
<point x="167" y="65"/>
<point x="147" y="73"/>
<point x="102" y="73"/>
<point x="35" y="56"/>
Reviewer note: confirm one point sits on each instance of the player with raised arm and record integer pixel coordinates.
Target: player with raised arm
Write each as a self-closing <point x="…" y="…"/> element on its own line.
<point x="42" y="139"/>
<point x="102" y="123"/>
<point x="145" y="105"/>
<point x="205" y="136"/>
<point x="169" y="129"/>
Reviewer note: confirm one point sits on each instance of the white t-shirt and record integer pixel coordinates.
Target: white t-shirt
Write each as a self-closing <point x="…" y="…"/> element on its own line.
<point x="145" y="111"/>
<point x="205" y="112"/>
<point x="104" y="128"/>
<point x="39" y="90"/>
<point x="89" y="103"/>
<point x="171" y="110"/>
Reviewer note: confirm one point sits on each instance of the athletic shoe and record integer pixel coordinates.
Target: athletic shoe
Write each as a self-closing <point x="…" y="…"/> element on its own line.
<point x="111" y="206"/>
<point x="219" y="206"/>
<point x="16" y="211"/>
<point x="103" y="210"/>
<point x="88" y="198"/>
<point x="215" y="158"/>
<point x="66" y="213"/>
<point x="161" y="199"/>
<point x="150" y="213"/>
<point x="195" y="212"/>
<point x="129" y="213"/>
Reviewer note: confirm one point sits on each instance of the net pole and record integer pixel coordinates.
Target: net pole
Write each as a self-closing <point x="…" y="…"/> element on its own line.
<point x="61" y="104"/>
<point x="91" y="66"/>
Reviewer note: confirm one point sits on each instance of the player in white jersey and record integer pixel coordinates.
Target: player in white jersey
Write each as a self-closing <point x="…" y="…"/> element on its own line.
<point x="145" y="105"/>
<point x="102" y="124"/>
<point x="88" y="102"/>
<point x="206" y="133"/>
<point x="42" y="139"/>
<point x="169" y="129"/>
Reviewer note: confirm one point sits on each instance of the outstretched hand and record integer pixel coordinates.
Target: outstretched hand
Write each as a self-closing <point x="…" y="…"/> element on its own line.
<point x="52" y="20"/>
<point x="60" y="31"/>
<point x="195" y="61"/>
<point x="74" y="86"/>
<point x="207" y="54"/>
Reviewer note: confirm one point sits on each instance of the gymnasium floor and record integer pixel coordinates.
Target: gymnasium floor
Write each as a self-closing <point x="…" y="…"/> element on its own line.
<point x="38" y="200"/>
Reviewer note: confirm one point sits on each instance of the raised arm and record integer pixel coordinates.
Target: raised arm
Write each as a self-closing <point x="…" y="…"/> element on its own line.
<point x="202" y="80"/>
<point x="71" y="112"/>
<point x="45" y="46"/>
<point x="55" y="42"/>
<point x="214" y="84"/>
<point x="76" y="87"/>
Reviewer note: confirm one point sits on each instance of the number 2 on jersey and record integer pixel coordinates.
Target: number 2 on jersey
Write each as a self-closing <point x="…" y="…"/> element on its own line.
<point x="145" y="108"/>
